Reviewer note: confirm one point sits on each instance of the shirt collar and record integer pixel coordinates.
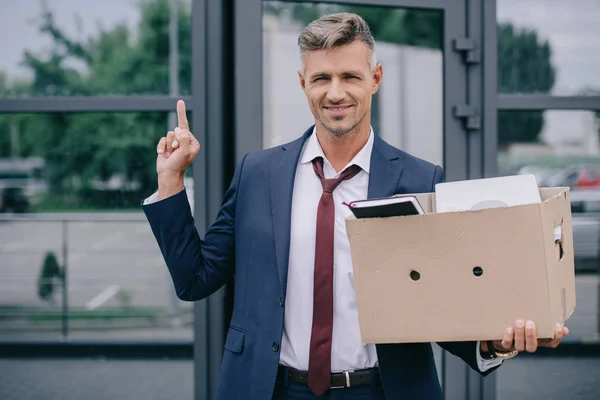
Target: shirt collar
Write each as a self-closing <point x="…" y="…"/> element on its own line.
<point x="313" y="149"/>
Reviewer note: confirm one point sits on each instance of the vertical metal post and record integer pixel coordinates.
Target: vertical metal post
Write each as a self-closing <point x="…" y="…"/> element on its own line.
<point x="173" y="91"/>
<point x="65" y="296"/>
<point x="202" y="383"/>
<point x="173" y="56"/>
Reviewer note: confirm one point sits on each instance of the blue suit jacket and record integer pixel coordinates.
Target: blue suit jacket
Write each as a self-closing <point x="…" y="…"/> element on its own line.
<point x="250" y="241"/>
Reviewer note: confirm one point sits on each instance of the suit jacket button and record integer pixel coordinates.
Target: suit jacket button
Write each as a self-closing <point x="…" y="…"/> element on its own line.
<point x="281" y="302"/>
<point x="275" y="346"/>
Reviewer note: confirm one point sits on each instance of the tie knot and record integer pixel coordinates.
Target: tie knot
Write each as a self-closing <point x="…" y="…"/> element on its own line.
<point x="329" y="185"/>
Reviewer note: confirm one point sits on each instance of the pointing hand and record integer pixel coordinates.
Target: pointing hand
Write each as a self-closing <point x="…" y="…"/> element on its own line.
<point x="178" y="149"/>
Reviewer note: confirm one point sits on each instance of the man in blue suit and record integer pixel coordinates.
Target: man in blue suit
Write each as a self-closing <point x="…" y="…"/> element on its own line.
<point x="280" y="234"/>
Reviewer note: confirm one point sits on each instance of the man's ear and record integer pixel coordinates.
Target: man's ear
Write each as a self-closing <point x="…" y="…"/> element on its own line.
<point x="302" y="80"/>
<point x="377" y="77"/>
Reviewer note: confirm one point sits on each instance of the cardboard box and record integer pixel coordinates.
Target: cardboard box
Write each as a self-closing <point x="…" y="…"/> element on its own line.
<point x="466" y="275"/>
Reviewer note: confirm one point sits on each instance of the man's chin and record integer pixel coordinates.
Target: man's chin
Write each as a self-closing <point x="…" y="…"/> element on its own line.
<point x="338" y="129"/>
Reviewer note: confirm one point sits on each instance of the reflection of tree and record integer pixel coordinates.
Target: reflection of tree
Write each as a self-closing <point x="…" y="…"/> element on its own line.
<point x="86" y="147"/>
<point x="524" y="66"/>
<point x="393" y="25"/>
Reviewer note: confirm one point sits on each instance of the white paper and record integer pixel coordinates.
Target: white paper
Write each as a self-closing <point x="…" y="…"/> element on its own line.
<point x="478" y="194"/>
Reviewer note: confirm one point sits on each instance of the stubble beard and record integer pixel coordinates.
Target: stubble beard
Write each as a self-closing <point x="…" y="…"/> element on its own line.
<point x="341" y="131"/>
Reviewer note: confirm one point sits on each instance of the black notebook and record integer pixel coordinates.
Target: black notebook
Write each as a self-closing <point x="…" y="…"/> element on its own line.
<point x="386" y="207"/>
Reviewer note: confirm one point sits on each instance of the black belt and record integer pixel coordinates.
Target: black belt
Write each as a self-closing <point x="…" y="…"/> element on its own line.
<point x="339" y="379"/>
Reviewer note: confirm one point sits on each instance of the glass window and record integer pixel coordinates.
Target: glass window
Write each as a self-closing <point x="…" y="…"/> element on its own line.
<point x="407" y="110"/>
<point x="548" y="46"/>
<point x="561" y="148"/>
<point x="87" y="48"/>
<point x="81" y="178"/>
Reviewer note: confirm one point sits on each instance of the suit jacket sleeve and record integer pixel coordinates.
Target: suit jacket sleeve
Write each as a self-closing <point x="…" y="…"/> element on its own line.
<point x="198" y="267"/>
<point x="467" y="351"/>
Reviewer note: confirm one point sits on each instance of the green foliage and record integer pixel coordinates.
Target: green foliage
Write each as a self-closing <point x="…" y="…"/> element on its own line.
<point x="83" y="151"/>
<point x="524" y="66"/>
<point x="421" y="28"/>
<point x="50" y="273"/>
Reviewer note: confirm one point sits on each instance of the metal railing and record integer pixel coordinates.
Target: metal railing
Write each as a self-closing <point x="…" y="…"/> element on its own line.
<point x="105" y="260"/>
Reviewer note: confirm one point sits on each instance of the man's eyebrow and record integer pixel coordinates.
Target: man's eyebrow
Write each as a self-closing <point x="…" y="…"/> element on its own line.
<point x="319" y="75"/>
<point x="356" y="73"/>
<point x="326" y="75"/>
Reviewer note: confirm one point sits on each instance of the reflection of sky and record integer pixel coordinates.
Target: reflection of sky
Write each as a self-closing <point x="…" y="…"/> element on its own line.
<point x="19" y="21"/>
<point x="572" y="28"/>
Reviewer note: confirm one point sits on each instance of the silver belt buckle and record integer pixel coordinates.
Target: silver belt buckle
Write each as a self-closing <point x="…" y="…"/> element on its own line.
<point x="347" y="375"/>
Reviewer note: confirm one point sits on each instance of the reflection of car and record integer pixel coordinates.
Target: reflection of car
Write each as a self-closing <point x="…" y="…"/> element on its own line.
<point x="13" y="200"/>
<point x="576" y="176"/>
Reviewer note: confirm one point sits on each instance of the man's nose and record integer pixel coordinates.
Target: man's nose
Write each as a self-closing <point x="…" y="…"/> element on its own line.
<point x="336" y="92"/>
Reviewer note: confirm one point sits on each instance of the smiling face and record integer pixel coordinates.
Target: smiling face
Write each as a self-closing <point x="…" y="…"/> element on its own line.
<point x="339" y="84"/>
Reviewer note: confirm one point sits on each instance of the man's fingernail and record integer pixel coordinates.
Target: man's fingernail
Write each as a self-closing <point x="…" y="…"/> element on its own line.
<point x="160" y="151"/>
<point x="529" y="324"/>
<point x="178" y="130"/>
<point x="509" y="331"/>
<point x="167" y="154"/>
<point x="175" y="143"/>
<point x="559" y="326"/>
<point x="520" y="323"/>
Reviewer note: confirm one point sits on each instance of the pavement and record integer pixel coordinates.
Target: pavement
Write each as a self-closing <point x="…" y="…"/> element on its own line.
<point x="100" y="255"/>
<point x="523" y="378"/>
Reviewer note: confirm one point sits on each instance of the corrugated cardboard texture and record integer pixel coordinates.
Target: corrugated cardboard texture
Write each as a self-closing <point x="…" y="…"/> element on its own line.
<point x="449" y="301"/>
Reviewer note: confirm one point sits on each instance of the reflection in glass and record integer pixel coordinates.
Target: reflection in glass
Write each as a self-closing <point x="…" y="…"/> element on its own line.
<point x="407" y="110"/>
<point x="117" y="284"/>
<point x="81" y="177"/>
<point x="561" y="148"/>
<point x="548" y="47"/>
<point x="87" y="47"/>
<point x="81" y="161"/>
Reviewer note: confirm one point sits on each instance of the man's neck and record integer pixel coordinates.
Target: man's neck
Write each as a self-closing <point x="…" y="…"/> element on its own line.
<point x="340" y="150"/>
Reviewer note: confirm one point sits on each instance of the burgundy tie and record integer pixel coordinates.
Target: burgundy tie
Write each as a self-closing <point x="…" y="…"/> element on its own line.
<point x="319" y="364"/>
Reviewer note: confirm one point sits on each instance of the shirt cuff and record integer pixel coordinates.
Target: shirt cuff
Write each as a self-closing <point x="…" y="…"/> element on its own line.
<point x="151" y="199"/>
<point x="484" y="365"/>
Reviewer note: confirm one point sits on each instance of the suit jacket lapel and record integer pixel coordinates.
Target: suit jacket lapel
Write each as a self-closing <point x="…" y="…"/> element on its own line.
<point x="281" y="182"/>
<point x="386" y="169"/>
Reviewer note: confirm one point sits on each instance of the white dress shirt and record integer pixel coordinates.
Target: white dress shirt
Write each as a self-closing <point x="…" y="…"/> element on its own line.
<point x="347" y="352"/>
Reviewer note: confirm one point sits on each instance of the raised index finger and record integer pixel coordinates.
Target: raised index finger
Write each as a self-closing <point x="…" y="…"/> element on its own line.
<point x="182" y="121"/>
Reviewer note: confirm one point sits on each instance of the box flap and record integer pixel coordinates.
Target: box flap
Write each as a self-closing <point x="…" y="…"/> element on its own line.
<point x="546" y="193"/>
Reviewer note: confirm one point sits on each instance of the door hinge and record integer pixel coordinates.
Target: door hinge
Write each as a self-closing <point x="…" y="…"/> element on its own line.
<point x="469" y="115"/>
<point x="469" y="48"/>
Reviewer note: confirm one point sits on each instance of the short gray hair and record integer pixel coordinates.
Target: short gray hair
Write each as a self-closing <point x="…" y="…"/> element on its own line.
<point x="336" y="30"/>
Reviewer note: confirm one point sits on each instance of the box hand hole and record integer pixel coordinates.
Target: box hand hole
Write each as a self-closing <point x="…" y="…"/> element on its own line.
<point x="414" y="275"/>
<point x="558" y="242"/>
